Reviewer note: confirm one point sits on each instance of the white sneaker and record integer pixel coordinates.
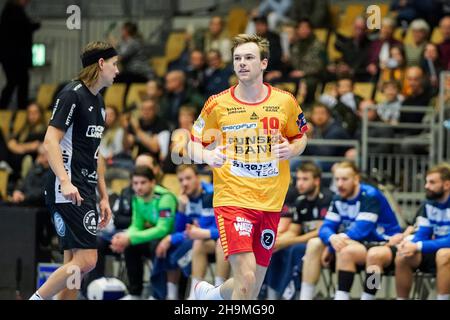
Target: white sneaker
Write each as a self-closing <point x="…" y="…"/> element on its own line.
<point x="131" y="297"/>
<point x="201" y="290"/>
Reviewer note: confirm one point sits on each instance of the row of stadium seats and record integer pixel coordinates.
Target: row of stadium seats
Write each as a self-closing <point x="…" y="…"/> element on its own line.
<point x="114" y="95"/>
<point x="169" y="181"/>
<point x="12" y="121"/>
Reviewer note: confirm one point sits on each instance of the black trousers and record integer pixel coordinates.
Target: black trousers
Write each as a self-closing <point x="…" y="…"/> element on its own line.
<point x="134" y="256"/>
<point x="17" y="77"/>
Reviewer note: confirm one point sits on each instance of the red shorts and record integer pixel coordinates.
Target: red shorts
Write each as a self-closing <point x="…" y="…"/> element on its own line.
<point x="247" y="230"/>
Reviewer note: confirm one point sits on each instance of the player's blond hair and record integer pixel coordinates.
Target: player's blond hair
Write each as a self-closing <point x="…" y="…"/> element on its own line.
<point x="443" y="169"/>
<point x="89" y="75"/>
<point x="346" y="164"/>
<point x="262" y="43"/>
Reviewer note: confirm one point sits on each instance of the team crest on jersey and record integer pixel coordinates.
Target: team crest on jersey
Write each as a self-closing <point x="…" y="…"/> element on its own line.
<point x="90" y="222"/>
<point x="267" y="239"/>
<point x="199" y="125"/>
<point x="301" y="122"/>
<point x="60" y="226"/>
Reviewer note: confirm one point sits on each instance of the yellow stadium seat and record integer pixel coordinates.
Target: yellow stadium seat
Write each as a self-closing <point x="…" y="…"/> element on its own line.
<point x="5" y="121"/>
<point x="364" y="89"/>
<point x="3" y="184"/>
<point x="329" y="87"/>
<point x="380" y="97"/>
<point x="159" y="66"/>
<point x="205" y="178"/>
<point x="175" y="45"/>
<point x="117" y="185"/>
<point x="45" y="94"/>
<point x="321" y="34"/>
<point x="286" y="86"/>
<point x="384" y="9"/>
<point x="398" y="34"/>
<point x="333" y="54"/>
<point x="236" y="21"/>
<point x="20" y="118"/>
<point x="170" y="182"/>
<point x="135" y="93"/>
<point x="436" y="36"/>
<point x="350" y="13"/>
<point x="115" y="95"/>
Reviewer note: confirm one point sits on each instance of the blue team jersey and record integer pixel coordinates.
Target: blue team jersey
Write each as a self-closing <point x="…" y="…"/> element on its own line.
<point x="367" y="217"/>
<point x="200" y="210"/>
<point x="433" y="221"/>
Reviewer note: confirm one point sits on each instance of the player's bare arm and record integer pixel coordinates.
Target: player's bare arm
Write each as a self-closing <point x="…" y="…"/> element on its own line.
<point x="105" y="210"/>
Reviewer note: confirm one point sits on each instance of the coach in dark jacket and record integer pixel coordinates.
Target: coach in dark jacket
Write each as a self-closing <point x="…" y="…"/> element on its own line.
<point x="16" y="37"/>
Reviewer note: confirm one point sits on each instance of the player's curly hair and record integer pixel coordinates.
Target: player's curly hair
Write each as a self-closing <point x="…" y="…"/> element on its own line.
<point x="262" y="43"/>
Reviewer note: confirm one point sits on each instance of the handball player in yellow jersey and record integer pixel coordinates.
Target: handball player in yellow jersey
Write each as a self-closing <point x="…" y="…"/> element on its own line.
<point x="246" y="134"/>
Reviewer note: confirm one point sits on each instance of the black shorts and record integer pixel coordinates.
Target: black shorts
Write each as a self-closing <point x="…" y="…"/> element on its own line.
<point x="76" y="226"/>
<point x="428" y="263"/>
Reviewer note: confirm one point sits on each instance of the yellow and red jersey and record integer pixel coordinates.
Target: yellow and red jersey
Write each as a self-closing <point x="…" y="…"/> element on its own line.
<point x="251" y="177"/>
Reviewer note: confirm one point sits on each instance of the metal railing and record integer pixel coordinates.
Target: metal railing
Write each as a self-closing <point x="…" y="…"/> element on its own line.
<point x="404" y="172"/>
<point x="331" y="159"/>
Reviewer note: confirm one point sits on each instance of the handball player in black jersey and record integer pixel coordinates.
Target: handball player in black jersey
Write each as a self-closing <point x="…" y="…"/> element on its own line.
<point x="72" y="144"/>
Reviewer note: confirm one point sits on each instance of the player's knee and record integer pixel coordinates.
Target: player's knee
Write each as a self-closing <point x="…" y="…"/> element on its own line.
<point x="346" y="254"/>
<point x="400" y="261"/>
<point x="198" y="246"/>
<point x="314" y="246"/>
<point x="443" y="257"/>
<point x="377" y="255"/>
<point x="248" y="282"/>
<point x="88" y="263"/>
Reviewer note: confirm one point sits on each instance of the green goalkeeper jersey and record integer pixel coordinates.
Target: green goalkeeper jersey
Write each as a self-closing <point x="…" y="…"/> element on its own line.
<point x="152" y="219"/>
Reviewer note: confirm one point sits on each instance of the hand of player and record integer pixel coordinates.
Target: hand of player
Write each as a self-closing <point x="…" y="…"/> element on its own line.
<point x="105" y="213"/>
<point x="18" y="196"/>
<point x="183" y="200"/>
<point x="395" y="239"/>
<point x="216" y="158"/>
<point x="338" y="242"/>
<point x="119" y="242"/>
<point x="163" y="246"/>
<point x="70" y="192"/>
<point x="194" y="232"/>
<point x="283" y="150"/>
<point x="407" y="249"/>
<point x="325" y="259"/>
<point x="296" y="74"/>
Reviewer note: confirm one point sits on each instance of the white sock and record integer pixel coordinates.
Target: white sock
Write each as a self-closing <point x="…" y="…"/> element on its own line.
<point x="443" y="296"/>
<point x="36" y="296"/>
<point x="194" y="281"/>
<point x="214" y="294"/>
<point x="271" y="294"/>
<point x="341" y="295"/>
<point x="172" y="291"/>
<point x="367" y="296"/>
<point x="400" y="298"/>
<point x="307" y="291"/>
<point x="218" y="281"/>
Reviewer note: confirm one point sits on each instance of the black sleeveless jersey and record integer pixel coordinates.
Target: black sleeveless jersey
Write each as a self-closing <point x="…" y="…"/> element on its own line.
<point x="81" y="115"/>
